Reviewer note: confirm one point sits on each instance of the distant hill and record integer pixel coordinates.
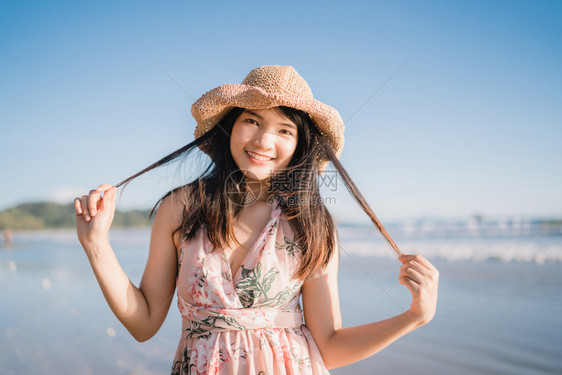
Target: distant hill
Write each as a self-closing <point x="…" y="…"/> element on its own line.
<point x="49" y="215"/>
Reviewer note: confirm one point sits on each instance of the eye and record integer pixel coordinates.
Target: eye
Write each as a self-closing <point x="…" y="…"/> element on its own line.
<point x="251" y="121"/>
<point x="285" y="131"/>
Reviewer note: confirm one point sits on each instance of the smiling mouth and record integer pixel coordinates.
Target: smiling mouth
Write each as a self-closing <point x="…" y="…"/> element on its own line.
<point x="258" y="156"/>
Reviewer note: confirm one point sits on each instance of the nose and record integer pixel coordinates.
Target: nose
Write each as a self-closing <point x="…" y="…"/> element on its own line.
<point x="264" y="140"/>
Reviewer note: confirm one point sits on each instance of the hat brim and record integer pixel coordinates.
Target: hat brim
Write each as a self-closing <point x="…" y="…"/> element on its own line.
<point x="210" y="108"/>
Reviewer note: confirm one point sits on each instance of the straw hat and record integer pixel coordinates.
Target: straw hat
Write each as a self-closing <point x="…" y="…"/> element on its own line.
<point x="266" y="87"/>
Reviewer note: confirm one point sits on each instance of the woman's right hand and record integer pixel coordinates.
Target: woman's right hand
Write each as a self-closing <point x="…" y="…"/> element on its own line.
<point x="94" y="214"/>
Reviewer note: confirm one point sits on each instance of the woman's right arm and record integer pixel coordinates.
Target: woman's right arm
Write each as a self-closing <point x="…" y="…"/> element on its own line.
<point x="141" y="310"/>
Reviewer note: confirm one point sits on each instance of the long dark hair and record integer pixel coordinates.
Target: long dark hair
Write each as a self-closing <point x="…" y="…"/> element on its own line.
<point x="217" y="196"/>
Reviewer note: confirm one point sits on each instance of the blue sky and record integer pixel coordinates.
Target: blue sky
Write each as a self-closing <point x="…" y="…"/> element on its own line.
<point x="471" y="124"/>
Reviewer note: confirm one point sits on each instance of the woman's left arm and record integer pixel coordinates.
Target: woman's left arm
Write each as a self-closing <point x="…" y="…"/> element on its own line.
<point x="342" y="346"/>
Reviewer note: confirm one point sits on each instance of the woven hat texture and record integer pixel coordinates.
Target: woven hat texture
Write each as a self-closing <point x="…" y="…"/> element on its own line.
<point x="266" y="87"/>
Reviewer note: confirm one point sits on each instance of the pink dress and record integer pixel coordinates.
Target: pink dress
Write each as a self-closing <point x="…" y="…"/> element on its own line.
<point x="249" y="323"/>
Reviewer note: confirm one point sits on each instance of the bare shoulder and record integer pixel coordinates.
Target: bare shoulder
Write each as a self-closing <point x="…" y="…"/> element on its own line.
<point x="169" y="216"/>
<point x="172" y="207"/>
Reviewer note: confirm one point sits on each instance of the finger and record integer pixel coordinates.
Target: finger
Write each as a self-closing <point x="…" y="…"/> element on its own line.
<point x="413" y="275"/>
<point x="413" y="286"/>
<point x="93" y="200"/>
<point x="428" y="269"/>
<point x="418" y="259"/>
<point x="104" y="187"/>
<point x="112" y="195"/>
<point x="415" y="266"/>
<point x="78" y="206"/>
<point x="108" y="199"/>
<point x="419" y="275"/>
<point x="84" y="203"/>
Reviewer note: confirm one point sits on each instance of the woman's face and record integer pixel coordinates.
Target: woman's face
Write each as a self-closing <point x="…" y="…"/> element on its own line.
<point x="262" y="142"/>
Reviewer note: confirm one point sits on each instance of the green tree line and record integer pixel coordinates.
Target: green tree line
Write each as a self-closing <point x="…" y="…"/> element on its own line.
<point x="49" y="215"/>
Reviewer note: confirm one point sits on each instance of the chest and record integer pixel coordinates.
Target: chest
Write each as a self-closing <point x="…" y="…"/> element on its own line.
<point x="246" y="229"/>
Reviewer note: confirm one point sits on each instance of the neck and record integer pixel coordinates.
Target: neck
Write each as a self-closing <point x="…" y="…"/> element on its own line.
<point x="258" y="190"/>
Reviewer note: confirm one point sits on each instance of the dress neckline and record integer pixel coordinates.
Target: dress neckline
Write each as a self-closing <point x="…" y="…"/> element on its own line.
<point x="237" y="274"/>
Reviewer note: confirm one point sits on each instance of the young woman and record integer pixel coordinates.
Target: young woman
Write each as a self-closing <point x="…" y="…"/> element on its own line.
<point x="247" y="238"/>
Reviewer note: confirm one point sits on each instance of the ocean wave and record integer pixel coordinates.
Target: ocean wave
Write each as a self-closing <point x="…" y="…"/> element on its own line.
<point x="529" y="250"/>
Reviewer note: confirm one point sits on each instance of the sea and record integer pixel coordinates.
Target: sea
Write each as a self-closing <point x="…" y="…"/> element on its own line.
<point x="499" y="308"/>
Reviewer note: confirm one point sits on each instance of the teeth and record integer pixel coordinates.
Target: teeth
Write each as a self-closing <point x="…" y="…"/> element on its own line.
<point x="259" y="157"/>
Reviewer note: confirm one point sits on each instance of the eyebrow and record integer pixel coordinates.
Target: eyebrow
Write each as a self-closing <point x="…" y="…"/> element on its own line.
<point x="261" y="118"/>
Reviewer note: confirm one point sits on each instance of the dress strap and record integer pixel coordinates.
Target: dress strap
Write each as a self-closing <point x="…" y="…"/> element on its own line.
<point x="200" y="321"/>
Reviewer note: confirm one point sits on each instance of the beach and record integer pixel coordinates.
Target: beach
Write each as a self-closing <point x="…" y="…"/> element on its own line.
<point x="499" y="310"/>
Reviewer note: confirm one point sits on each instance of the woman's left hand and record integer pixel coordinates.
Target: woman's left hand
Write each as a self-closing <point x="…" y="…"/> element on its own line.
<point x="422" y="279"/>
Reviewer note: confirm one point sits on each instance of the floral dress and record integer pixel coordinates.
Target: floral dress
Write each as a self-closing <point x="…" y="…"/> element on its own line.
<point x="247" y="323"/>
